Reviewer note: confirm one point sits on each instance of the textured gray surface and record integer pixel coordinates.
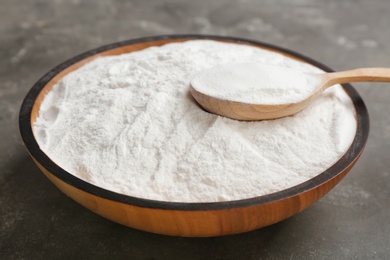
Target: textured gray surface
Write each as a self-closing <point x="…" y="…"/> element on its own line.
<point x="37" y="221"/>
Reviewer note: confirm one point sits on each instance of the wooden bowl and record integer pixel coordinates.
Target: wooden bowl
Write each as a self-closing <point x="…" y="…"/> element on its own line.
<point x="185" y="219"/>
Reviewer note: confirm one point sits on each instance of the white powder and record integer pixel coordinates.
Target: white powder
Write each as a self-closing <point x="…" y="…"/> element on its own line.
<point x="128" y="124"/>
<point x="255" y="83"/>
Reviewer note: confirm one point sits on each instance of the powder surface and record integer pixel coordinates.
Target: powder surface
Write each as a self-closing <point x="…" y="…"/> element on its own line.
<point x="256" y="83"/>
<point x="128" y="123"/>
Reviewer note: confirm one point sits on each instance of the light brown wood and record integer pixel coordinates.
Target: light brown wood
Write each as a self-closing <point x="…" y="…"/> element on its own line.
<point x="356" y="75"/>
<point x="251" y="112"/>
<point x="196" y="223"/>
<point x="184" y="222"/>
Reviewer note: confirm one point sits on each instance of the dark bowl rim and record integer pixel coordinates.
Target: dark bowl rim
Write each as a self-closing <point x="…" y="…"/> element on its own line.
<point x="342" y="164"/>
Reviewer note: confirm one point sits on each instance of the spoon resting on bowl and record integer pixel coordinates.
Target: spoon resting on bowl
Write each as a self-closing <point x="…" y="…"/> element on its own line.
<point x="254" y="91"/>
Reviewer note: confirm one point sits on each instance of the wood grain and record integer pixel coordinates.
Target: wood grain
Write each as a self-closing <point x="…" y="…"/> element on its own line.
<point x="356" y="75"/>
<point x="196" y="223"/>
<point x="246" y="112"/>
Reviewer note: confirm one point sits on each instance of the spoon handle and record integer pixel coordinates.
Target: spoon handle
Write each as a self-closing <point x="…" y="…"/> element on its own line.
<point x="357" y="75"/>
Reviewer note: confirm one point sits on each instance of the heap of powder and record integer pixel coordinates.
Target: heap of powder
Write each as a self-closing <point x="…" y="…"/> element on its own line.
<point x="255" y="83"/>
<point x="128" y="124"/>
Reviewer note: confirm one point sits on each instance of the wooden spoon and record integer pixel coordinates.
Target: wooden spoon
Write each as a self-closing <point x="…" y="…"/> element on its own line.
<point x="249" y="112"/>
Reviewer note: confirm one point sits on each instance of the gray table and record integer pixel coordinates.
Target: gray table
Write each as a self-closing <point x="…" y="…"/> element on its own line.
<point x="38" y="222"/>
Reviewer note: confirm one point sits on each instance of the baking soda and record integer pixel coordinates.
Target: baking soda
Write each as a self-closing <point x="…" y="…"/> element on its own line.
<point x="255" y="83"/>
<point x="128" y="124"/>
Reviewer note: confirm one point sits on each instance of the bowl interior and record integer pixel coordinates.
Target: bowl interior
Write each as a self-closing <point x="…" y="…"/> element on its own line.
<point x="32" y="102"/>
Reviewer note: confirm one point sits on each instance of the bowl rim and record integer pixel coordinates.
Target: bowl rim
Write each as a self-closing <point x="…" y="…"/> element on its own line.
<point x="342" y="164"/>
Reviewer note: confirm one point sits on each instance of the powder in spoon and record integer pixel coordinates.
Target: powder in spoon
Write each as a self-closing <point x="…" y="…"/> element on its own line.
<point x="255" y="83"/>
<point x="128" y="123"/>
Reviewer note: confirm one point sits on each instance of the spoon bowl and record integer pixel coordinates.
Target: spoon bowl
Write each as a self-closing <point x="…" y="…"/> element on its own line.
<point x="247" y="111"/>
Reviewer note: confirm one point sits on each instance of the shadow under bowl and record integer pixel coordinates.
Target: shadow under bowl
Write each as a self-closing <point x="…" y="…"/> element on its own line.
<point x="175" y="218"/>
